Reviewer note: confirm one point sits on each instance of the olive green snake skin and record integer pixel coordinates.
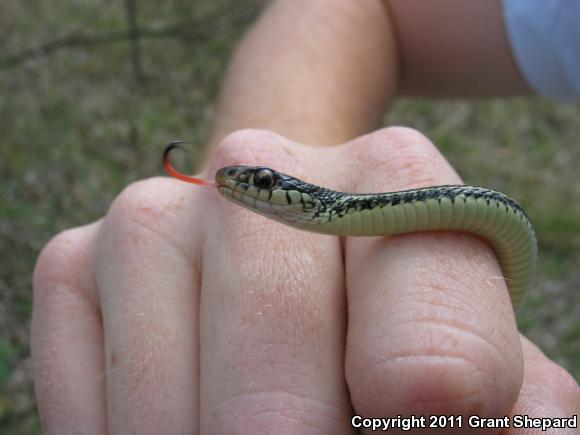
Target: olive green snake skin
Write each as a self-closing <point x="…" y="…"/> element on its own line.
<point x="486" y="213"/>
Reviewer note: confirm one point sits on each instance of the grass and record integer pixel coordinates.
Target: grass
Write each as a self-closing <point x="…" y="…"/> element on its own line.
<point x="77" y="127"/>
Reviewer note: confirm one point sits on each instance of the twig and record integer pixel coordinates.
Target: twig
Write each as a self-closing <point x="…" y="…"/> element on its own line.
<point x="134" y="34"/>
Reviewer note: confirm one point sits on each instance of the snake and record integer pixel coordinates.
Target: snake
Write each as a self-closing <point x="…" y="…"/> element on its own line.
<point x="486" y="213"/>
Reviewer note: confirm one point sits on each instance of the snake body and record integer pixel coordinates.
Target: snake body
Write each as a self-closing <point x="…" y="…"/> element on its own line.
<point x="486" y="213"/>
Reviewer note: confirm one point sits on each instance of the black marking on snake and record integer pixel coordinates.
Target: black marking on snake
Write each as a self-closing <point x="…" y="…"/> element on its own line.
<point x="286" y="185"/>
<point x="340" y="203"/>
<point x="332" y="203"/>
<point x="421" y="195"/>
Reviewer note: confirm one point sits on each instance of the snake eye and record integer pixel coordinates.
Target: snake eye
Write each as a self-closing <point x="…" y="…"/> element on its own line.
<point x="264" y="179"/>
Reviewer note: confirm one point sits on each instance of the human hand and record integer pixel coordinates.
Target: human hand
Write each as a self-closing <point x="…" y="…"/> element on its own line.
<point x="181" y="312"/>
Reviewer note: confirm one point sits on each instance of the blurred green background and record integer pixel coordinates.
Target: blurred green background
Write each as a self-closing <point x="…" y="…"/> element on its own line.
<point x="92" y="90"/>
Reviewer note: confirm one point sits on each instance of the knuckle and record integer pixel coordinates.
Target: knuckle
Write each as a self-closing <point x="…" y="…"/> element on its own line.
<point x="142" y="205"/>
<point x="398" y="136"/>
<point x="57" y="260"/>
<point x="252" y="147"/>
<point x="63" y="272"/>
<point x="153" y="214"/>
<point x="406" y="155"/>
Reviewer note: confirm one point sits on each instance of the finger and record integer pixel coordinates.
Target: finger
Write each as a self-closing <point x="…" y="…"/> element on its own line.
<point x="549" y="392"/>
<point x="272" y="313"/>
<point x="149" y="284"/>
<point x="67" y="338"/>
<point x="431" y="328"/>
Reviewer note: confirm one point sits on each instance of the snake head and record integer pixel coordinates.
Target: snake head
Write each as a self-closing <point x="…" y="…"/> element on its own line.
<point x="267" y="192"/>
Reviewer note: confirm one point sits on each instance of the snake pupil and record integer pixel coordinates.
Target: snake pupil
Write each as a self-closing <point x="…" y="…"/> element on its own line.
<point x="264" y="179"/>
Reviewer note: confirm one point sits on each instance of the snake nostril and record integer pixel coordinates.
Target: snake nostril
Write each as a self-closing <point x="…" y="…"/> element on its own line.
<point x="231" y="172"/>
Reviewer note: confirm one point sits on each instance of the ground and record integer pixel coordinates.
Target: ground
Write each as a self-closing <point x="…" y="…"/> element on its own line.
<point x="84" y="112"/>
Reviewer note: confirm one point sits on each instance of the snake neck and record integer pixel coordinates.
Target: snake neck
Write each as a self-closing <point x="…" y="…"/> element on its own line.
<point x="327" y="205"/>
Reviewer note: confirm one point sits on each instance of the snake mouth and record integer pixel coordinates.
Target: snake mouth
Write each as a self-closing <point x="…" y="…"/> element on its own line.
<point x="220" y="178"/>
<point x="242" y="198"/>
<point x="239" y="191"/>
<point x="229" y="187"/>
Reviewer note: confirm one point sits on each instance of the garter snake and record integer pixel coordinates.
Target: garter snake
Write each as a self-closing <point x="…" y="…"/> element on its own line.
<point x="484" y="212"/>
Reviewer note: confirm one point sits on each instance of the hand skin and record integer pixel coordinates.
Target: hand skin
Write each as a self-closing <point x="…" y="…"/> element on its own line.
<point x="179" y="312"/>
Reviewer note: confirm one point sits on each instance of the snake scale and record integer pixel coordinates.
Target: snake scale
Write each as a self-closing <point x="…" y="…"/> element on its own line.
<point x="484" y="212"/>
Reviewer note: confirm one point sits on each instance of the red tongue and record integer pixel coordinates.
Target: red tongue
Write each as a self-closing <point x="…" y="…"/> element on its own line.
<point x="175" y="173"/>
